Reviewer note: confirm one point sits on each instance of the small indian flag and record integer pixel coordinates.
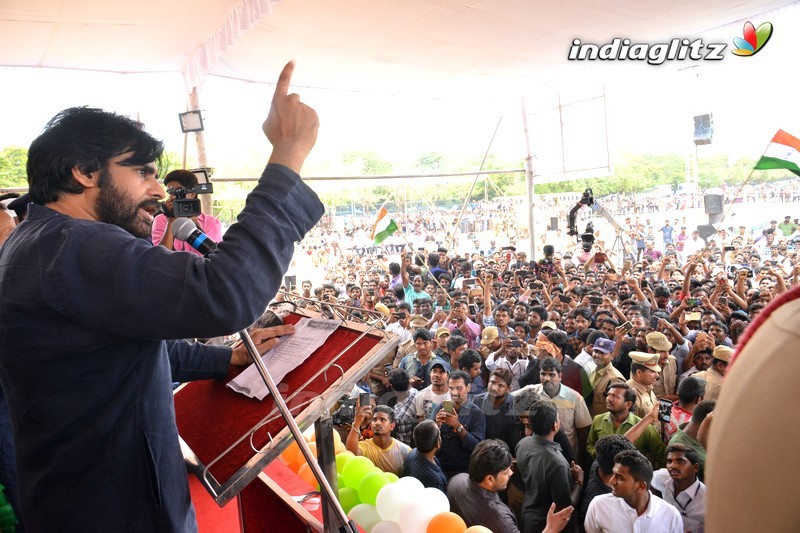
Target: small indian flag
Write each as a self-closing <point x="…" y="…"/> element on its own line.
<point x="782" y="152"/>
<point x="383" y="227"/>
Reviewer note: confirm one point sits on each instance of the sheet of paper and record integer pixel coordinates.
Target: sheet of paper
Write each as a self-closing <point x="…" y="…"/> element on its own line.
<point x="290" y="353"/>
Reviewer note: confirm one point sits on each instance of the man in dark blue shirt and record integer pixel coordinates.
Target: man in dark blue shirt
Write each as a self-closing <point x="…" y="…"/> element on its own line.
<point x="88" y="309"/>
<point x="462" y="425"/>
<point x="422" y="463"/>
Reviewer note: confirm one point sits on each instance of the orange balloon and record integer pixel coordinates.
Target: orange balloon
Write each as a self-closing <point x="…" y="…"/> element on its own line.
<point x="290" y="453"/>
<point x="294" y="467"/>
<point x="338" y="448"/>
<point x="446" y="523"/>
<point x="302" y="458"/>
<point x="307" y="475"/>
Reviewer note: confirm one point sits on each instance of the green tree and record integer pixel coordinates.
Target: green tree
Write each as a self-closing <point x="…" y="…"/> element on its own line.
<point x="430" y="162"/>
<point x="368" y="163"/>
<point x="12" y="167"/>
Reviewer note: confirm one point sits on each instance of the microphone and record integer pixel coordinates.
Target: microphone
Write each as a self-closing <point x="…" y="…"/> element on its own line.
<point x="185" y="230"/>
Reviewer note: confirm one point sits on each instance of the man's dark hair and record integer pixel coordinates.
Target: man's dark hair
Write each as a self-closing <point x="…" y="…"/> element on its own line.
<point x="468" y="358"/>
<point x="539" y="310"/>
<point x="525" y="327"/>
<point x="585" y="312"/>
<point x="608" y="447"/>
<point x="637" y="464"/>
<point x="186" y="178"/>
<point x="691" y="389"/>
<point x="549" y="364"/>
<point x="394" y="269"/>
<point x="687" y="451"/>
<point x="422" y="333"/>
<point x="86" y="138"/>
<point x="661" y="291"/>
<point x="500" y="308"/>
<point x="426" y="436"/>
<point x="701" y="410"/>
<point x="455" y="342"/>
<point x="557" y="337"/>
<point x="433" y="260"/>
<point x="543" y="416"/>
<point x="385" y="409"/>
<point x="593" y="336"/>
<point x="489" y="458"/>
<point x="399" y="379"/>
<point x="460" y="374"/>
<point x="504" y="374"/>
<point x="629" y="395"/>
<point x="548" y="249"/>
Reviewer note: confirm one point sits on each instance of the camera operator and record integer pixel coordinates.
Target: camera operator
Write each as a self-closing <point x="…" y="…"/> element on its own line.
<point x="181" y="184"/>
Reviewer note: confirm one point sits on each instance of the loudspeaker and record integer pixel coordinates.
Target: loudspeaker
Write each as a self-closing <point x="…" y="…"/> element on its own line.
<point x="706" y="231"/>
<point x="712" y="204"/>
<point x="703" y="129"/>
<point x="553" y="223"/>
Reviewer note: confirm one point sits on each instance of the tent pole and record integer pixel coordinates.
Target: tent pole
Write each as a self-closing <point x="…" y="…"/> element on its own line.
<point x="202" y="161"/>
<point x="529" y="182"/>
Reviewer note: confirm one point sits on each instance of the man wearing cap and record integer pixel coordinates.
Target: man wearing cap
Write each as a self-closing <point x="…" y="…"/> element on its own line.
<point x="715" y="374"/>
<point x="419" y="364"/>
<point x="441" y="337"/>
<point x="786" y="226"/>
<point x="644" y="374"/>
<point x="434" y="394"/>
<point x="666" y="386"/>
<point x="490" y="340"/>
<point x="604" y="375"/>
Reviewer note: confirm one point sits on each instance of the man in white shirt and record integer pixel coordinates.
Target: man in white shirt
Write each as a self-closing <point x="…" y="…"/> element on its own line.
<point x="509" y="356"/>
<point x="679" y="486"/>
<point x="631" y="507"/>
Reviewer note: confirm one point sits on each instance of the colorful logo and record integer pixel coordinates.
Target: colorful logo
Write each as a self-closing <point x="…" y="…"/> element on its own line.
<point x="754" y="39"/>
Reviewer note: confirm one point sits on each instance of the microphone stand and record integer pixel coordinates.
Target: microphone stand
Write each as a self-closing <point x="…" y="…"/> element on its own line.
<point x="347" y="525"/>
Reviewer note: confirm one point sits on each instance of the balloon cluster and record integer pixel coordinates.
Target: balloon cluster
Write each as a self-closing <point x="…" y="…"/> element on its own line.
<point x="379" y="502"/>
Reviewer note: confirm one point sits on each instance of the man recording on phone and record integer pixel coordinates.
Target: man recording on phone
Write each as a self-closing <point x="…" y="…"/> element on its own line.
<point x="91" y="400"/>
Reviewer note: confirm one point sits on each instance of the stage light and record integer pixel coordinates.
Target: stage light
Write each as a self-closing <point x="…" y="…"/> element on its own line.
<point x="191" y="121"/>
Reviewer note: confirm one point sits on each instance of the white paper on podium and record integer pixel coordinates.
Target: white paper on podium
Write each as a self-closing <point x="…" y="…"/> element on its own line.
<point x="290" y="353"/>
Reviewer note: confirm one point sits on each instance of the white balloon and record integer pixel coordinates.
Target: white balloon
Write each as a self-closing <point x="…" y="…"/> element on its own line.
<point x="389" y="501"/>
<point x="410" y="484"/>
<point x="436" y="500"/>
<point x="415" y="516"/>
<point x="365" y="515"/>
<point x="387" y="526"/>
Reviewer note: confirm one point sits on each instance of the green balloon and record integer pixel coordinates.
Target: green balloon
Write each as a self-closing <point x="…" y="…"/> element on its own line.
<point x="342" y="459"/>
<point x="348" y="498"/>
<point x="355" y="470"/>
<point x="370" y="486"/>
<point x="339" y="481"/>
<point x="391" y="477"/>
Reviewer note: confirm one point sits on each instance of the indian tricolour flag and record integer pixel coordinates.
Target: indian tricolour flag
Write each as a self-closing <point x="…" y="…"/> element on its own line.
<point x="383" y="227"/>
<point x="782" y="152"/>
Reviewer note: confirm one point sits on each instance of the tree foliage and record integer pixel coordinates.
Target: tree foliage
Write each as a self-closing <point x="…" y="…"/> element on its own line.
<point x="12" y="167"/>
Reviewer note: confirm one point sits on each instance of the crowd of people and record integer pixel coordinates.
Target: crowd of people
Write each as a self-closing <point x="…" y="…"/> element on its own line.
<point x="575" y="391"/>
<point x="567" y="381"/>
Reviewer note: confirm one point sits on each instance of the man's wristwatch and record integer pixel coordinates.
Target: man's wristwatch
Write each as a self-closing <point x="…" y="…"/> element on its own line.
<point x="459" y="429"/>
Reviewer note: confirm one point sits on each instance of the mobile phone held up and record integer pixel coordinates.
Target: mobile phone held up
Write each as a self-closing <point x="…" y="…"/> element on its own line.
<point x="363" y="399"/>
<point x="664" y="410"/>
<point x="447" y="406"/>
<point x="626" y="326"/>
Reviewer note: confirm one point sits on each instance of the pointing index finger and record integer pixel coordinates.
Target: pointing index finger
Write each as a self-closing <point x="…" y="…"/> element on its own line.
<point x="285" y="78"/>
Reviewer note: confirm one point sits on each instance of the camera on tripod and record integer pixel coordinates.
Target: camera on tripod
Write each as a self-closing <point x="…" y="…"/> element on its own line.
<point x="183" y="206"/>
<point x="587" y="198"/>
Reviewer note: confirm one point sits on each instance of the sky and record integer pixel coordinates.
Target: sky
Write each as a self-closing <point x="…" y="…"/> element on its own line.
<point x="647" y="109"/>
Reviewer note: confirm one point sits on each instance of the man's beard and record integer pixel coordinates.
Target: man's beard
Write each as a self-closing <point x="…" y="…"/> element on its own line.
<point x="114" y="207"/>
<point x="550" y="388"/>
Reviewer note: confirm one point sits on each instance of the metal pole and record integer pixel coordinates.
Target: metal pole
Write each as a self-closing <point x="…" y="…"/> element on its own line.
<point x="529" y="183"/>
<point x="202" y="161"/>
<point x="325" y="487"/>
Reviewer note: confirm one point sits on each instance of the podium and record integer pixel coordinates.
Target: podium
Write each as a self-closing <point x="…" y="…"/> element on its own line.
<point x="229" y="439"/>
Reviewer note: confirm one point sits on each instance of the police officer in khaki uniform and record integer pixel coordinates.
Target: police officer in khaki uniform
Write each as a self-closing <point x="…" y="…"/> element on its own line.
<point x="644" y="374"/>
<point x="716" y="372"/>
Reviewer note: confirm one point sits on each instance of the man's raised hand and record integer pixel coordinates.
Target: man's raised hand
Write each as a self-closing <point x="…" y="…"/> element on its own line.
<point x="291" y="126"/>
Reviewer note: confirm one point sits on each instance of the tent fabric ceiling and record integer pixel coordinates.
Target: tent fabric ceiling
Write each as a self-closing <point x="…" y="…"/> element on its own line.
<point x="344" y="44"/>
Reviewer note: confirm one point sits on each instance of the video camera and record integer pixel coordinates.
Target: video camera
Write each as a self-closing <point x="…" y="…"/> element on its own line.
<point x="346" y="413"/>
<point x="183" y="206"/>
<point x="587" y="238"/>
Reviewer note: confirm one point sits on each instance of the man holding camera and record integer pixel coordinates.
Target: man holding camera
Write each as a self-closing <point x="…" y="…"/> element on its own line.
<point x="181" y="185"/>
